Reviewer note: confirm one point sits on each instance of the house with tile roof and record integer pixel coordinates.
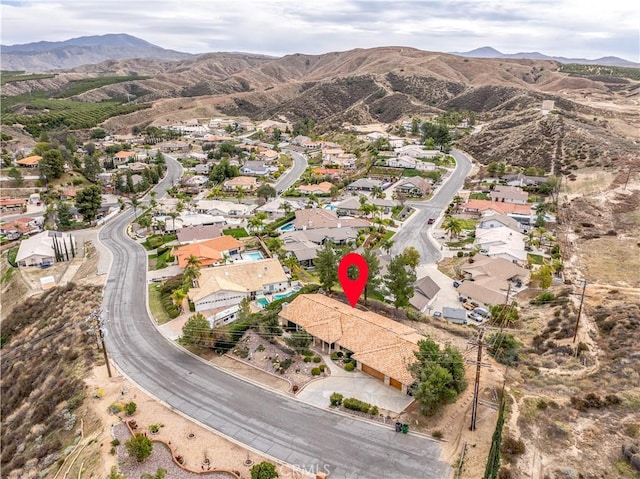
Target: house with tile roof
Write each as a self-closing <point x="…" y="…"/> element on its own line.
<point x="30" y="161"/>
<point x="520" y="213"/>
<point x="381" y="347"/>
<point x="323" y="188"/>
<point x="310" y="218"/>
<point x="209" y="252"/>
<point x="226" y="286"/>
<point x="509" y="194"/>
<point x="247" y="183"/>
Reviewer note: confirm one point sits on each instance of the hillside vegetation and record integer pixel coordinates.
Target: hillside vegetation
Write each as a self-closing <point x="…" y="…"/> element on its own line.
<point x="46" y="353"/>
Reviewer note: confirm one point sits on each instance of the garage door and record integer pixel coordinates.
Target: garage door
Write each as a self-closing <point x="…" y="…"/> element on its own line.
<point x="395" y="383"/>
<point x="373" y="372"/>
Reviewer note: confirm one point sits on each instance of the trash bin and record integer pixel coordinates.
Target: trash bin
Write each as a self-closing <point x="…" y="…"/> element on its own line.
<point x="405" y="428"/>
<point x="398" y="426"/>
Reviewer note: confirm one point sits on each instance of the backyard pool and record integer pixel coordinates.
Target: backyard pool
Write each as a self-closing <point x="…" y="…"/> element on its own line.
<point x="252" y="255"/>
<point x="329" y="207"/>
<point x="262" y="301"/>
<point x="288" y="227"/>
<point x="276" y="297"/>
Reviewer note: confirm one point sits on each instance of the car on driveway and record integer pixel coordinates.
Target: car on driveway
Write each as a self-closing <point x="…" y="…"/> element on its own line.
<point x="475" y="316"/>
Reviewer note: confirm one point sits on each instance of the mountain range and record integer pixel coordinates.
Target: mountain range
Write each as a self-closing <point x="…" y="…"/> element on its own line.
<point x="490" y="52"/>
<point x="45" y="56"/>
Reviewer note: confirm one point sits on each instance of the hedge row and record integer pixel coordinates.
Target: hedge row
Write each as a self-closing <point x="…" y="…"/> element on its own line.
<point x="357" y="405"/>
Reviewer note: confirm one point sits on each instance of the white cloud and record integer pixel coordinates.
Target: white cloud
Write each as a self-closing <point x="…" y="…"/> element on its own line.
<point x="563" y="27"/>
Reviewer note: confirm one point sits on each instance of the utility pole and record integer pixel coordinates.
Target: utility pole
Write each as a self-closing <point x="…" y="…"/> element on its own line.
<point x="95" y="316"/>
<point x="476" y="386"/>
<point x="627" y="180"/>
<point x="584" y="287"/>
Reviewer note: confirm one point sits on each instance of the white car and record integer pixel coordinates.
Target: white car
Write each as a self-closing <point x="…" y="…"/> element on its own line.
<point x="475" y="316"/>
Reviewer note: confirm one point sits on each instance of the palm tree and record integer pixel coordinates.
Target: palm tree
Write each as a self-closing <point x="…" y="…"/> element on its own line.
<point x="135" y="203"/>
<point x="240" y="192"/>
<point x="178" y="298"/>
<point x="453" y="226"/>
<point x="257" y="221"/>
<point x="180" y="207"/>
<point x="457" y="201"/>
<point x="173" y="216"/>
<point x="334" y="191"/>
<point x="192" y="271"/>
<point x="377" y="192"/>
<point x="386" y="245"/>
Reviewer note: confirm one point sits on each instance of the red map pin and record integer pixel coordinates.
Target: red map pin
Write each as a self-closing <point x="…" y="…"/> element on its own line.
<point x="353" y="287"/>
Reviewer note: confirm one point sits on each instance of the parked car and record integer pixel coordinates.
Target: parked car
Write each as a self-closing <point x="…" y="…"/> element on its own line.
<point x="475" y="316"/>
<point x="456" y="283"/>
<point x="430" y="221"/>
<point x="437" y="314"/>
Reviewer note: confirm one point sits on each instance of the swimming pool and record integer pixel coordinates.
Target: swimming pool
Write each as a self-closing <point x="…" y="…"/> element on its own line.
<point x="262" y="302"/>
<point x="329" y="207"/>
<point x="288" y="227"/>
<point x="276" y="297"/>
<point x="252" y="255"/>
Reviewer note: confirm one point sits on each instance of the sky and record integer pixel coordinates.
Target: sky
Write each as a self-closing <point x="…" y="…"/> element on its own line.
<point x="570" y="28"/>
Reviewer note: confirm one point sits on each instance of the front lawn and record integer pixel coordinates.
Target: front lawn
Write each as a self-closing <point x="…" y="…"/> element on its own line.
<point x="468" y="224"/>
<point x="155" y="304"/>
<point x="237" y="233"/>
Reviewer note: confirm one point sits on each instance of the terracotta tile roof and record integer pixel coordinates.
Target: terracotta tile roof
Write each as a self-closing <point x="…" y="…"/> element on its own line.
<point x="324" y="187"/>
<point x="376" y="341"/>
<point x="310" y="218"/>
<point x="125" y="154"/>
<point x="498" y="207"/>
<point x="30" y="160"/>
<point x="241" y="181"/>
<point x="208" y="252"/>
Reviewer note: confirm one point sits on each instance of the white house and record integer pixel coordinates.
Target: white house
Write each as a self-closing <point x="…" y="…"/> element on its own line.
<point x="417" y="151"/>
<point x="256" y="168"/>
<point x="224" y="208"/>
<point x="498" y="221"/>
<point x="509" y="194"/>
<point x="502" y="243"/>
<point x="46" y="248"/>
<point x="223" y="287"/>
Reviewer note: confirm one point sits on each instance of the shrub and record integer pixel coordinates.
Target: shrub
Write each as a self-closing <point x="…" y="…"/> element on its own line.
<point x="512" y="447"/>
<point x="437" y="434"/>
<point x="322" y="367"/>
<point x="460" y="254"/>
<point x="115" y="408"/>
<point x="334" y="356"/>
<point x="260" y="348"/>
<point x="543" y="298"/>
<point x="357" y="405"/>
<point x="264" y="470"/>
<point x="286" y="363"/>
<point x="349" y="367"/>
<point x="307" y="359"/>
<point x="317" y="359"/>
<point x="140" y="447"/>
<point x="315" y="372"/>
<point x="336" y="399"/>
<point x="115" y="442"/>
<point x="154" y="428"/>
<point x="130" y="408"/>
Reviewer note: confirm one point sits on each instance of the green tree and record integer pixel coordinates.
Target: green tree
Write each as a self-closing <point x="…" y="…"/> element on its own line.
<point x="144" y="221"/>
<point x="299" y="340"/>
<point x="256" y="222"/>
<point x="140" y="447"/>
<point x="274" y="245"/>
<point x="399" y="280"/>
<point x="505" y="348"/>
<point x="98" y="133"/>
<point x="543" y="276"/>
<point x="197" y="331"/>
<point x="63" y="215"/>
<point x="91" y="168"/>
<point x="88" y="202"/>
<point x="266" y="191"/>
<point x="264" y="470"/>
<point x="334" y="191"/>
<point x="223" y="170"/>
<point x="52" y="165"/>
<point x="373" y="278"/>
<point x="377" y="192"/>
<point x="496" y="169"/>
<point x="439" y="375"/>
<point x="15" y="176"/>
<point x="134" y="204"/>
<point x="411" y="256"/>
<point x="191" y="271"/>
<point x="504" y="314"/>
<point x="326" y="264"/>
<point x="453" y="226"/>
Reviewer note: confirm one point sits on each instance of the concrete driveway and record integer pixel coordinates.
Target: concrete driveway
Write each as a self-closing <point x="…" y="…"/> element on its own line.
<point x="353" y="384"/>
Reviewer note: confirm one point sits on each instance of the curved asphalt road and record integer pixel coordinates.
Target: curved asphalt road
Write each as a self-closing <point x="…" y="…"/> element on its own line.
<point x="288" y="430"/>
<point x="288" y="179"/>
<point x="415" y="231"/>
